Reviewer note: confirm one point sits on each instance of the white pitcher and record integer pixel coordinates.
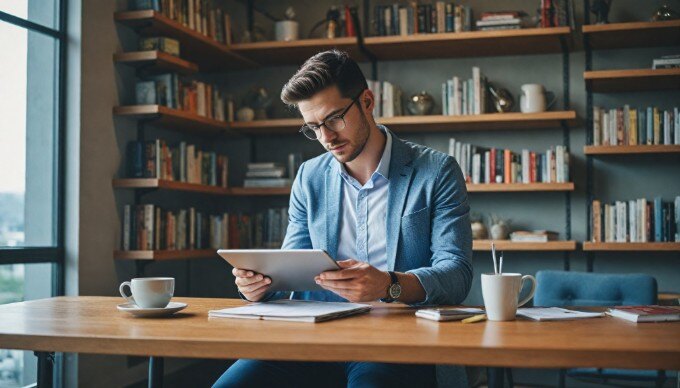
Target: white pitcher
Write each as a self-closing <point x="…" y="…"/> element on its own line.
<point x="533" y="99"/>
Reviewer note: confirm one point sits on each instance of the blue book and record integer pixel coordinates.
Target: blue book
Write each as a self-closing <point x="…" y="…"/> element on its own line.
<point x="164" y="89"/>
<point x="135" y="159"/>
<point x="658" y="220"/>
<point x="449" y="17"/>
<point x="145" y="93"/>
<point x="145" y="4"/>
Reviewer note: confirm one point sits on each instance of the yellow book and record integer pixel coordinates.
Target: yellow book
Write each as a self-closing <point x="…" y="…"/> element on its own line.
<point x="657" y="128"/>
<point x="633" y="135"/>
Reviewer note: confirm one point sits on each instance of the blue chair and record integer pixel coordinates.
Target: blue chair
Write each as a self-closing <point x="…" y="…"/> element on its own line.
<point x="563" y="289"/>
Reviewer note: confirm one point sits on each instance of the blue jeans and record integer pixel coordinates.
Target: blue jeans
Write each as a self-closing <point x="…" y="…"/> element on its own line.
<point x="259" y="373"/>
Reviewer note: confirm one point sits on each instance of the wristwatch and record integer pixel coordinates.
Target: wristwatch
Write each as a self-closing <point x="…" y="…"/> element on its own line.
<point x="394" y="289"/>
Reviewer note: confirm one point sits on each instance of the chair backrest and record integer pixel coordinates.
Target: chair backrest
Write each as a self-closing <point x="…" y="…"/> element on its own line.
<point x="563" y="288"/>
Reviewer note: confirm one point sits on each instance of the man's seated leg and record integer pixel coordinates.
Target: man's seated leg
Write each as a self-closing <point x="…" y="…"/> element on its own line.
<point x="261" y="373"/>
<point x="373" y="374"/>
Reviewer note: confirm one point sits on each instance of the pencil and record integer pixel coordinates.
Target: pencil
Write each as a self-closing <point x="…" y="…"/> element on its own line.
<point x="474" y="318"/>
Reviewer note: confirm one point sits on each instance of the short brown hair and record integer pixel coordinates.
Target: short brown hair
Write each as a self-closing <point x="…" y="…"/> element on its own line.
<point x="325" y="69"/>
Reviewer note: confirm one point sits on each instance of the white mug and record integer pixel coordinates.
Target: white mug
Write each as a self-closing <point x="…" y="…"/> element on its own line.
<point x="533" y="99"/>
<point x="149" y="292"/>
<point x="501" y="291"/>
<point x="286" y="30"/>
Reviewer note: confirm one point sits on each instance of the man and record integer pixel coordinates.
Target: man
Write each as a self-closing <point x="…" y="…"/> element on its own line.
<point x="394" y="214"/>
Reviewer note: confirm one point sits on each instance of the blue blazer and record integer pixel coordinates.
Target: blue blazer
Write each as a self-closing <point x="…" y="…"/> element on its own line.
<point x="428" y="225"/>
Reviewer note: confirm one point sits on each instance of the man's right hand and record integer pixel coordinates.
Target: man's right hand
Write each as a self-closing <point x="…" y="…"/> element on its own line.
<point x="251" y="284"/>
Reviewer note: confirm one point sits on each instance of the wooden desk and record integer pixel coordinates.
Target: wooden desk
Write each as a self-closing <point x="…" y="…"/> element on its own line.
<point x="389" y="333"/>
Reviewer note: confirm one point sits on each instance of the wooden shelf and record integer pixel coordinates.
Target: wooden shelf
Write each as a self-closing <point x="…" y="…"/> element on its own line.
<point x="507" y="245"/>
<point x="153" y="183"/>
<point x="174" y="118"/>
<point x="518" y="187"/>
<point x="165" y="254"/>
<point x="614" y="81"/>
<point x="208" y="53"/>
<point x="295" y="52"/>
<point x="156" y="61"/>
<point x="469" y="44"/>
<point x="432" y="123"/>
<point x="634" y="34"/>
<point x="649" y="246"/>
<point x="631" y="149"/>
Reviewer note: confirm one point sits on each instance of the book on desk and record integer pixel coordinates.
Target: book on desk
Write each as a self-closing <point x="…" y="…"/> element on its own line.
<point x="292" y="310"/>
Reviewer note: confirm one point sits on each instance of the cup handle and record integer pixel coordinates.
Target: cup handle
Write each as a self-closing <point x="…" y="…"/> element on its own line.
<point x="552" y="98"/>
<point x="531" y="292"/>
<point x="130" y="298"/>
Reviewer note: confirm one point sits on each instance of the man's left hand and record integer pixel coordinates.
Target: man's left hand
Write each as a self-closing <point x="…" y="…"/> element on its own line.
<point x="356" y="281"/>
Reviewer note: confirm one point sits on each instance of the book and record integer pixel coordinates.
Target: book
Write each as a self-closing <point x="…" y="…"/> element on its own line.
<point x="533" y="236"/>
<point x="166" y="45"/>
<point x="555" y="314"/>
<point x="266" y="182"/>
<point x="652" y="313"/>
<point x="448" y="313"/>
<point x="292" y="310"/>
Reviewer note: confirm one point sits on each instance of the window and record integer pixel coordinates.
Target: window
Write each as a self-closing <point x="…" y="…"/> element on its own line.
<point x="32" y="49"/>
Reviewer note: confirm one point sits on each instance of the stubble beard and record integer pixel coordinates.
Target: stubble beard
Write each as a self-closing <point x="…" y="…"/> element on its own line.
<point x="365" y="131"/>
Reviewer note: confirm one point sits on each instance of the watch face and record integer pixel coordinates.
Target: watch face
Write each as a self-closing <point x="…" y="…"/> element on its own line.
<point x="395" y="291"/>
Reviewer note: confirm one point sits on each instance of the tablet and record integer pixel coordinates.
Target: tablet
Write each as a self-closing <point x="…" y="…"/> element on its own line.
<point x="289" y="269"/>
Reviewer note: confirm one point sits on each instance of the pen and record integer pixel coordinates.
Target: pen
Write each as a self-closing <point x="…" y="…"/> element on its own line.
<point x="474" y="318"/>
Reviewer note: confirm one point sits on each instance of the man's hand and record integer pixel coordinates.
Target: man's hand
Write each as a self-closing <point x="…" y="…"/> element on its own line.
<point x="251" y="284"/>
<point x="356" y="281"/>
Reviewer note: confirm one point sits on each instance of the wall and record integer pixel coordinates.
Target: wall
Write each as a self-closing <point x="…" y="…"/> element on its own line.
<point x="102" y="140"/>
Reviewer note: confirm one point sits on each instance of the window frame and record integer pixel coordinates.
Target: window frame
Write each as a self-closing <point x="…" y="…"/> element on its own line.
<point x="49" y="254"/>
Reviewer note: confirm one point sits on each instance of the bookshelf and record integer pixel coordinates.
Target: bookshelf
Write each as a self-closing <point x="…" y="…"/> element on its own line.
<point x="209" y="54"/>
<point x="202" y="54"/>
<point x="433" y="123"/>
<point x="162" y="184"/>
<point x="470" y="44"/>
<point x="156" y="61"/>
<point x="632" y="149"/>
<point x="174" y="119"/>
<point x="620" y="36"/>
<point x="632" y="247"/>
<point x="633" y="80"/>
<point x="165" y="254"/>
<point x="507" y="245"/>
<point x="633" y="34"/>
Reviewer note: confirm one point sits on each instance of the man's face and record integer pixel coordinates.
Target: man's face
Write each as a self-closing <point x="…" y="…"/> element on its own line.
<point x="345" y="144"/>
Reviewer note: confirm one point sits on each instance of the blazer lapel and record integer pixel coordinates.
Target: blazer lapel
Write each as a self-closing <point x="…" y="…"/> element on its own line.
<point x="333" y="199"/>
<point x="400" y="175"/>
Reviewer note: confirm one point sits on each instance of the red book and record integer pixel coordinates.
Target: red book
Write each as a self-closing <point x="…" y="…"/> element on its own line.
<point x="651" y="313"/>
<point x="492" y="161"/>
<point x="349" y="22"/>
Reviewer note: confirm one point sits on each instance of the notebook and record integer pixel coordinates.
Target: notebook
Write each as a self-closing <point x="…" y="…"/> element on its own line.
<point x="292" y="310"/>
<point x="555" y="314"/>
<point x="646" y="313"/>
<point x="448" y="313"/>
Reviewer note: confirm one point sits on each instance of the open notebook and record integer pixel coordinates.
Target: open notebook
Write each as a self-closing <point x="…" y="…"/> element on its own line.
<point x="292" y="310"/>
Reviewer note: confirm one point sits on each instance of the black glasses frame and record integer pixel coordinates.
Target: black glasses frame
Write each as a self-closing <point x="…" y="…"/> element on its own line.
<point x="316" y="128"/>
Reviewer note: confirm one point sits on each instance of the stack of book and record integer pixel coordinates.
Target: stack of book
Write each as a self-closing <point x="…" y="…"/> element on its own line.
<point x="149" y="227"/>
<point x="202" y="16"/>
<point x="650" y="313"/>
<point x="188" y="95"/>
<point x="465" y="97"/>
<point x="666" y="62"/>
<point x="500" y="20"/>
<point x="533" y="236"/>
<point x="417" y="18"/>
<point x="262" y="230"/>
<point x="636" y="221"/>
<point x="388" y="99"/>
<point x="159" y="43"/>
<point x="491" y="165"/>
<point x="266" y="175"/>
<point x="182" y="163"/>
<point x="632" y="126"/>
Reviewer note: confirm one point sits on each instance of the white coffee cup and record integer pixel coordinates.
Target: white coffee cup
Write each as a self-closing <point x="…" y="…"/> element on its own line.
<point x="501" y="292"/>
<point x="149" y="292"/>
<point x="533" y="99"/>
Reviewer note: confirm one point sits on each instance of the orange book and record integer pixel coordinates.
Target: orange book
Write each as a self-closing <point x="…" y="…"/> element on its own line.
<point x="507" y="161"/>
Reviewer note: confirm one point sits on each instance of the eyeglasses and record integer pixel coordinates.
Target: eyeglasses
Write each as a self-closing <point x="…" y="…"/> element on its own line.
<point x="334" y="123"/>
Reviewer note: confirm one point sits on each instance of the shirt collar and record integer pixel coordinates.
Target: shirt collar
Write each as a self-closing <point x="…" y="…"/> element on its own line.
<point x="384" y="165"/>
